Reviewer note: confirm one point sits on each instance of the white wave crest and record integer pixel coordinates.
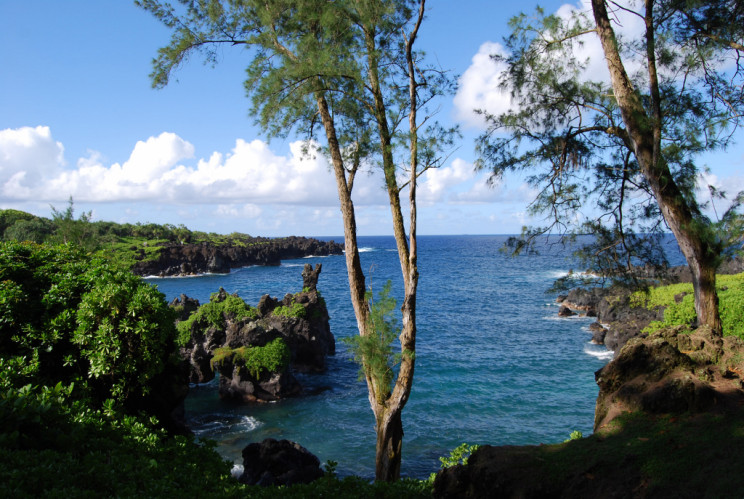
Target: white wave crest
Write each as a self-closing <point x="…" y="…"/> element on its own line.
<point x="366" y="250"/>
<point x="598" y="351"/>
<point x="557" y="274"/>
<point x="247" y="423"/>
<point x="237" y="470"/>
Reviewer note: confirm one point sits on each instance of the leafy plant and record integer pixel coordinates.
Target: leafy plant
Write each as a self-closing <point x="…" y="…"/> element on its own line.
<point x="77" y="319"/>
<point x="272" y="357"/>
<point x="575" y="435"/>
<point x="459" y="455"/>
<point x="731" y="304"/>
<point x="374" y="352"/>
<point x="220" y="307"/>
<point x="123" y="328"/>
<point x="296" y="310"/>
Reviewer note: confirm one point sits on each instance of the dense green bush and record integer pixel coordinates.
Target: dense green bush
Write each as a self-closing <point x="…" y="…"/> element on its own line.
<point x="54" y="446"/>
<point x="296" y="310"/>
<point x="77" y="319"/>
<point x="79" y="338"/>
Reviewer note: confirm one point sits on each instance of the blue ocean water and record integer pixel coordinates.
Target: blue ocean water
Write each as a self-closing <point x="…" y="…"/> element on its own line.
<point x="494" y="363"/>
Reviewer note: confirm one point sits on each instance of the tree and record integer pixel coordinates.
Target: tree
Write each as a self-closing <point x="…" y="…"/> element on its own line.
<point x="627" y="149"/>
<point x="71" y="231"/>
<point x="350" y="67"/>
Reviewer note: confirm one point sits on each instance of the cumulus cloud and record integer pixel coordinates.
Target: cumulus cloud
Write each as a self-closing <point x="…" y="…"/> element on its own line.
<point x="249" y="188"/>
<point x="478" y="87"/>
<point x="27" y="156"/>
<point x="730" y="186"/>
<point x="436" y="183"/>
<point x="32" y="166"/>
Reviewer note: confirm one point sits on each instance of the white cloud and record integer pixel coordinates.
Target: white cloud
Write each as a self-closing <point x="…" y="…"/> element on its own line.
<point x="238" y="211"/>
<point x="730" y="186"/>
<point x="436" y="183"/>
<point x="32" y="166"/>
<point x="250" y="188"/>
<point x="478" y="87"/>
<point x="155" y="157"/>
<point x="27" y="157"/>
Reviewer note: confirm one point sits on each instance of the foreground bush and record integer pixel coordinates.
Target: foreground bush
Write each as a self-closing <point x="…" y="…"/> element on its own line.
<point x="79" y="320"/>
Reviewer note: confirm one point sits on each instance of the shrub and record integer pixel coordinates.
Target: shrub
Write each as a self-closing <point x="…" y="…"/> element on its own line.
<point x="272" y="357"/>
<point x="79" y="319"/>
<point x="214" y="314"/>
<point x="125" y="330"/>
<point x="296" y="310"/>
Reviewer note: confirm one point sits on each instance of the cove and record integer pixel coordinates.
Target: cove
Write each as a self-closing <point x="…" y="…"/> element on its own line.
<point x="494" y="362"/>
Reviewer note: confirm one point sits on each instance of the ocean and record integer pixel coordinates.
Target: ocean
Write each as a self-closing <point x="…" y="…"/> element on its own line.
<point x="494" y="363"/>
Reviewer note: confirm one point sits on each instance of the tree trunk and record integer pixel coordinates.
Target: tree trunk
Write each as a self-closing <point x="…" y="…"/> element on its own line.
<point x="389" y="446"/>
<point x="357" y="286"/>
<point x="645" y="136"/>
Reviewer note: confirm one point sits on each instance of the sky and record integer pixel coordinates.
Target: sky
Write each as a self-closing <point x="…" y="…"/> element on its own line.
<point x="79" y="118"/>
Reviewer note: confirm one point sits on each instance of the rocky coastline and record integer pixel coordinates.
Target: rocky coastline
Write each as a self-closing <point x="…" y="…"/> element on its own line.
<point x="617" y="320"/>
<point x="177" y="259"/>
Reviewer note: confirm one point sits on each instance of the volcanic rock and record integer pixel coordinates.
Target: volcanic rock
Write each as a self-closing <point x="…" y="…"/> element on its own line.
<point x="281" y="462"/>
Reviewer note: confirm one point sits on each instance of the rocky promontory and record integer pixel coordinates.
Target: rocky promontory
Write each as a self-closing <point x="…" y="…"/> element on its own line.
<point x="176" y="259"/>
<point x="618" y="320"/>
<point x="257" y="349"/>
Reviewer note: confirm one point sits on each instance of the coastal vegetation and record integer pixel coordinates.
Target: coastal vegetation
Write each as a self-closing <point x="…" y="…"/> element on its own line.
<point x="293" y="310"/>
<point x="272" y="357"/>
<point x="214" y="314"/>
<point x="679" y="306"/>
<point x="155" y="249"/>
<point x="89" y="352"/>
<point x="85" y="348"/>
<point x="126" y="244"/>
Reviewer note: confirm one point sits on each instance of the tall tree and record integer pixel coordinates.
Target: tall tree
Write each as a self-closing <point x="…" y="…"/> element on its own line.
<point x="350" y="67"/>
<point x="626" y="149"/>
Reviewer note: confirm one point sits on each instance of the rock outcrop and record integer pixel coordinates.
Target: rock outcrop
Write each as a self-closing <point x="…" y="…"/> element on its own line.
<point x="672" y="371"/>
<point x="256" y="350"/>
<point x="191" y="259"/>
<point x="278" y="462"/>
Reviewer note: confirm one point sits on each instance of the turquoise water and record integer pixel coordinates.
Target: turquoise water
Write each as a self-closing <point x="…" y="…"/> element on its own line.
<point x="494" y="363"/>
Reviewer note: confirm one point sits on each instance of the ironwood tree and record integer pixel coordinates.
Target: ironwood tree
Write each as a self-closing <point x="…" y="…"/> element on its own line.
<point x="344" y="75"/>
<point x="619" y="159"/>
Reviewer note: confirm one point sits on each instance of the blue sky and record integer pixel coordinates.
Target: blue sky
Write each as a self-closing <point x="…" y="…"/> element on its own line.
<point x="78" y="117"/>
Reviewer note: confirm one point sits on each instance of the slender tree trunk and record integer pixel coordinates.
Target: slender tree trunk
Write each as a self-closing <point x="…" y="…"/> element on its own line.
<point x="357" y="285"/>
<point x="645" y="136"/>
